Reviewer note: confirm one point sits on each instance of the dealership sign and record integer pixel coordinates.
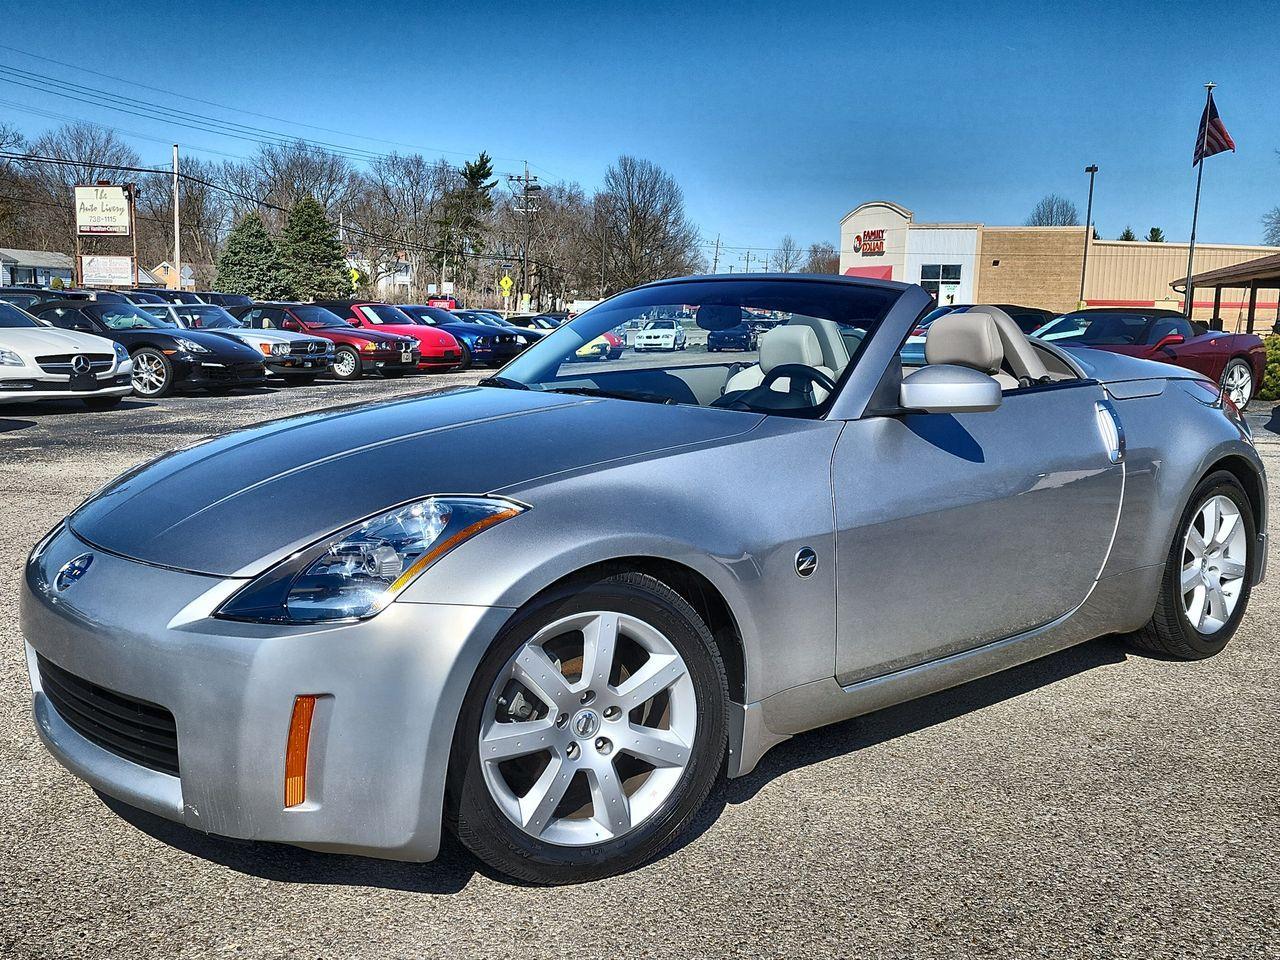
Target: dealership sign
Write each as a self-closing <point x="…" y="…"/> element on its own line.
<point x="102" y="211"/>
<point x="869" y="243"/>
<point x="106" y="271"/>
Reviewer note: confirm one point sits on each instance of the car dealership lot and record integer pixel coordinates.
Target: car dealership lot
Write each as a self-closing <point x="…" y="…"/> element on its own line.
<point x="1096" y="803"/>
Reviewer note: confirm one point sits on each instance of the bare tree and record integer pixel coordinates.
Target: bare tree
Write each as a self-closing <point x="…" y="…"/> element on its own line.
<point x="823" y="258"/>
<point x="787" y="258"/>
<point x="643" y="214"/>
<point x="1054" y="210"/>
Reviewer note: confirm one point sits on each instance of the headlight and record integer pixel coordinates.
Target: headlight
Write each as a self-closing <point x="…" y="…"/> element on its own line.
<point x="482" y="341"/>
<point x="10" y="359"/>
<point x="191" y="346"/>
<point x="358" y="571"/>
<point x="520" y="338"/>
<point x="121" y="353"/>
<point x="280" y="349"/>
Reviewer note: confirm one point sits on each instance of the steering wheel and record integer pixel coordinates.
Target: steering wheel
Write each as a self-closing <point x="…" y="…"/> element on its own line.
<point x="798" y="371"/>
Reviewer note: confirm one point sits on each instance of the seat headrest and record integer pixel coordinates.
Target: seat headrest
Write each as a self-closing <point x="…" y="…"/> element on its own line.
<point x="788" y="344"/>
<point x="969" y="339"/>
<point x="1022" y="356"/>
<point x="717" y="316"/>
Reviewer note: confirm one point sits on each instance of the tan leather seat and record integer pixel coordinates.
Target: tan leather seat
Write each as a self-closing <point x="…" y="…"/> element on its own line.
<point x="790" y="343"/>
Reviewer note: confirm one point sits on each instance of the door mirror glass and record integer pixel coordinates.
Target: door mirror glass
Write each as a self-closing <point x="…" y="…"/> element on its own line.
<point x="949" y="388"/>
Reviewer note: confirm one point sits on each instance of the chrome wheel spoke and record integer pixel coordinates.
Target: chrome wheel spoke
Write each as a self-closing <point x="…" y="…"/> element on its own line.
<point x="1214" y="564"/>
<point x="533" y="669"/>
<point x="506" y="741"/>
<point x="537" y="806"/>
<point x="1209" y="514"/>
<point x="661" y="748"/>
<point x="1191" y="576"/>
<point x="656" y="675"/>
<point x="1230" y="569"/>
<point x="599" y="639"/>
<point x="610" y="805"/>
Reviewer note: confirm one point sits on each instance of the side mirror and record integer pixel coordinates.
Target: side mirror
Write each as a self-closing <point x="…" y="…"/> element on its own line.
<point x="84" y="326"/>
<point x="354" y="320"/>
<point x="291" y="325"/>
<point x="949" y="388"/>
<point x="1167" y="341"/>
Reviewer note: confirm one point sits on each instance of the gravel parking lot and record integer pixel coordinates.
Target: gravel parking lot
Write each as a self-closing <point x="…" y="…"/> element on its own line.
<point x="1097" y="803"/>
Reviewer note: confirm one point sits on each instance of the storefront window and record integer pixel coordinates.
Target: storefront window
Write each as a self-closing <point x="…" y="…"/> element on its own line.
<point x="941" y="279"/>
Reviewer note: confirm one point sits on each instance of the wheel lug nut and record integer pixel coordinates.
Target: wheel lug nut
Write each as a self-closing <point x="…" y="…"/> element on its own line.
<point x="603" y="744"/>
<point x="562" y="720"/>
<point x="572" y="751"/>
<point x="587" y="696"/>
<point x="612" y="713"/>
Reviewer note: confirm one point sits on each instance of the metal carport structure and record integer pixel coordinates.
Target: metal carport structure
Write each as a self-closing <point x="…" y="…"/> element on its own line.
<point x="1252" y="275"/>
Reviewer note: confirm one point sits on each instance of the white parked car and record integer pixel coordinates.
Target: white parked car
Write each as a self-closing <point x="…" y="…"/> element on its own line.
<point x="297" y="357"/>
<point x="661" y="335"/>
<point x="41" y="362"/>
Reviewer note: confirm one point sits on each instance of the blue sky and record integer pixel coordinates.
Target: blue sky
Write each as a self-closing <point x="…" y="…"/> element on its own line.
<point x="775" y="119"/>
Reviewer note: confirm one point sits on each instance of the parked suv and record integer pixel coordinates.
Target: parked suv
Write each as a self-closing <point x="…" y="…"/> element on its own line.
<point x="165" y="356"/>
<point x="356" y="351"/>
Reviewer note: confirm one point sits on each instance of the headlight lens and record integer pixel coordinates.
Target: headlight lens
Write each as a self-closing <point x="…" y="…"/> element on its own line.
<point x="121" y="353"/>
<point x="191" y="346"/>
<point x="359" y="571"/>
<point x="482" y="341"/>
<point x="9" y="358"/>
<point x="520" y="338"/>
<point x="280" y="349"/>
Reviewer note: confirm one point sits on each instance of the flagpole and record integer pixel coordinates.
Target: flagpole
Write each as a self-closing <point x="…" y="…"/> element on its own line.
<point x="1195" y="212"/>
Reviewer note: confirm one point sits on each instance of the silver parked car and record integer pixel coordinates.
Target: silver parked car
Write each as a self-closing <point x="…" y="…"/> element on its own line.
<point x="296" y="357"/>
<point x="550" y="611"/>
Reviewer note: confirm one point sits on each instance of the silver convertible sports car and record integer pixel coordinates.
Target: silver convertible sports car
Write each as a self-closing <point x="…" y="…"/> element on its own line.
<point x="548" y="612"/>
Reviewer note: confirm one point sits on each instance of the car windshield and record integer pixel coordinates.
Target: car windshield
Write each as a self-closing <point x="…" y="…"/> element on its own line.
<point x="379" y="313"/>
<point x="793" y="370"/>
<point x="432" y="316"/>
<point x="23" y="300"/>
<point x="11" y="316"/>
<point x="207" y="316"/>
<point x="1096" y="329"/>
<point x="125" y="316"/>
<point x="314" y="316"/>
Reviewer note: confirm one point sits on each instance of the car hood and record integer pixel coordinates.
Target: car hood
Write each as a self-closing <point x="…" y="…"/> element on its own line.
<point x="42" y="340"/>
<point x="234" y="505"/>
<point x="471" y="329"/>
<point x="225" y="348"/>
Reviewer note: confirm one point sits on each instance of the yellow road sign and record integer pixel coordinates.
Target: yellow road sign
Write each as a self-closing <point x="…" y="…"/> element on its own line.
<point x="505" y="285"/>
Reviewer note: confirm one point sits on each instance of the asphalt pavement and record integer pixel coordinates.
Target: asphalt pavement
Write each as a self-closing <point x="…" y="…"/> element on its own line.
<point x="1097" y="803"/>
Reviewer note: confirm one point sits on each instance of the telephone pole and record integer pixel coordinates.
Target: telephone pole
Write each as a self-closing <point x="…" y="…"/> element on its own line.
<point x="747" y="258"/>
<point x="715" y="260"/>
<point x="177" y="224"/>
<point x="525" y="206"/>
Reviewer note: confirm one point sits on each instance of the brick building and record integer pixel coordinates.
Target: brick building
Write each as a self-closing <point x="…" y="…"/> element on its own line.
<point x="1032" y="266"/>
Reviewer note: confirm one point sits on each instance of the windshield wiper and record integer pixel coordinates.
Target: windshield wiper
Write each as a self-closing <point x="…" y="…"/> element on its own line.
<point x="505" y="382"/>
<point x="614" y="394"/>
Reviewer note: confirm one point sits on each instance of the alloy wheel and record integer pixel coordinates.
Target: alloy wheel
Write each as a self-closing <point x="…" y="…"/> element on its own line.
<point x="1238" y="382"/>
<point x="588" y="728"/>
<point x="1214" y="562"/>
<point x="148" y="374"/>
<point x="344" y="365"/>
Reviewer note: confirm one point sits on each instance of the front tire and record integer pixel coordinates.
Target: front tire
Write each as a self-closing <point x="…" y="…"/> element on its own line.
<point x="467" y="359"/>
<point x="592" y="732"/>
<point x="1237" y="382"/>
<point x="153" y="375"/>
<point x="346" y="364"/>
<point x="1207" y="574"/>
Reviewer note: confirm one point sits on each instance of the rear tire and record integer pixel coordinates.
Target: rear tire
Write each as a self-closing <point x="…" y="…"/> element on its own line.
<point x="697" y="699"/>
<point x="1171" y="631"/>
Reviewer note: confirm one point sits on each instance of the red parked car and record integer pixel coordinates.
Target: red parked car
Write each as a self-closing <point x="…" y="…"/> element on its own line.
<point x="438" y="349"/>
<point x="1234" y="360"/>
<point x="356" y="352"/>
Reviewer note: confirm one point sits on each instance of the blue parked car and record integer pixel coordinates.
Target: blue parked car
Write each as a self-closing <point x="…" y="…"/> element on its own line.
<point x="481" y="344"/>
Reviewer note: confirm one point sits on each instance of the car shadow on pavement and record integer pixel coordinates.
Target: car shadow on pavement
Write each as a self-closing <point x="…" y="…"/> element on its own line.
<point x="448" y="873"/>
<point x="902" y="720"/>
<point x="8" y="426"/>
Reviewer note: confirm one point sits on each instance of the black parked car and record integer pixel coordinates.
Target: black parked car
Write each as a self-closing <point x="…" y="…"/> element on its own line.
<point x="24" y="298"/>
<point x="165" y="356"/>
<point x="741" y="337"/>
<point x="225" y="299"/>
<point x="168" y="296"/>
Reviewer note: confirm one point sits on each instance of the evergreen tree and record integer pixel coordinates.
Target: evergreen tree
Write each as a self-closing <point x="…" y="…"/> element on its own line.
<point x="1156" y="235"/>
<point x="250" y="262"/>
<point x="313" y="259"/>
<point x="1128" y="234"/>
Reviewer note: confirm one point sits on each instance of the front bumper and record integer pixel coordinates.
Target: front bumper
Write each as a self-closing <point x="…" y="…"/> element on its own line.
<point x="197" y="373"/>
<point x="389" y="689"/>
<point x="293" y="366"/>
<point x="377" y="360"/>
<point x="443" y="360"/>
<point x="45" y="387"/>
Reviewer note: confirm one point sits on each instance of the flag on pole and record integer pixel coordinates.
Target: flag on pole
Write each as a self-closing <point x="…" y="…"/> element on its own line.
<point x="1213" y="137"/>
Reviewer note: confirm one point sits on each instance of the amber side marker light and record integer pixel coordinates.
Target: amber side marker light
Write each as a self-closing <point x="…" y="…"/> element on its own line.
<point x="295" y="754"/>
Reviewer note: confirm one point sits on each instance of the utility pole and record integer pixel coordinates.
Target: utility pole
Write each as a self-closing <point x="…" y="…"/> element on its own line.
<point x="1091" y="170"/>
<point x="528" y="186"/>
<point x="177" y="224"/>
<point x="715" y="260"/>
<point x="747" y="258"/>
<point x="1188" y="303"/>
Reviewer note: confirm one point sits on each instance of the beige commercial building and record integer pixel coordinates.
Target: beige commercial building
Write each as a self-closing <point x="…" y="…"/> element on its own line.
<point x="1034" y="266"/>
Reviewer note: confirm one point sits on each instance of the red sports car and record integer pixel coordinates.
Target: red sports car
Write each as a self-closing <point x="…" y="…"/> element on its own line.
<point x="1235" y="360"/>
<point x="440" y="351"/>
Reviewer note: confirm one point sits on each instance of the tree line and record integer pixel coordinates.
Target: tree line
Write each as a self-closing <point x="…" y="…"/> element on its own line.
<point x="252" y="222"/>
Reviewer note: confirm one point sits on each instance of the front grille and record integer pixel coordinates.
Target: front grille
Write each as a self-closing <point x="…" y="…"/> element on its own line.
<point x="305" y="349"/>
<point x="60" y="363"/>
<point x="141" y="732"/>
